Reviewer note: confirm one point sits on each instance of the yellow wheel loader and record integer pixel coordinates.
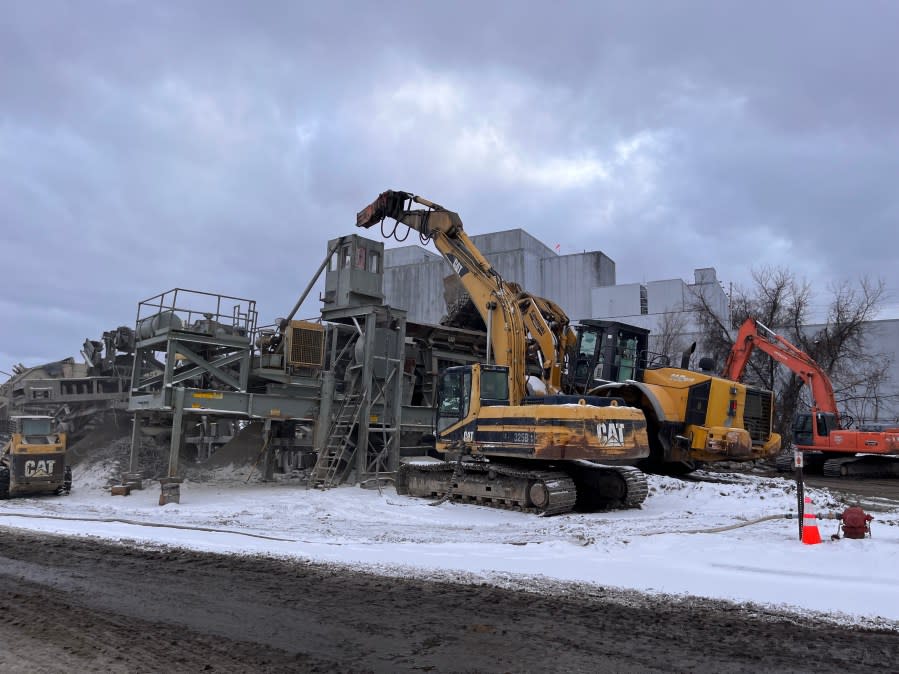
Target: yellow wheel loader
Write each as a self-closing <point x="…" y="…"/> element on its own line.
<point x="33" y="458"/>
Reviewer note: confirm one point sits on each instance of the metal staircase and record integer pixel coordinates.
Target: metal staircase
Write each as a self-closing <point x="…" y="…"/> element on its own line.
<point x="363" y="385"/>
<point x="336" y="457"/>
<point x="381" y="432"/>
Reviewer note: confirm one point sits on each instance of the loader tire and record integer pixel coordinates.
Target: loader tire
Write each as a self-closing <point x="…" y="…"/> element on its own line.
<point x="4" y="483"/>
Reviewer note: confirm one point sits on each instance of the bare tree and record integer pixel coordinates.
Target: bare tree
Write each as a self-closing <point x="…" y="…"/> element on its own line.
<point x="668" y="338"/>
<point x="783" y="303"/>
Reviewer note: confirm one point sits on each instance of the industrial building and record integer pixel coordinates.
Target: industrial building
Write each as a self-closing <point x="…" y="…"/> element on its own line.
<point x="414" y="278"/>
<point x="584" y="285"/>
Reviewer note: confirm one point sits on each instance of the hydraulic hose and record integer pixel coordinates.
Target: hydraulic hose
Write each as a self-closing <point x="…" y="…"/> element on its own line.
<point x="718" y="530"/>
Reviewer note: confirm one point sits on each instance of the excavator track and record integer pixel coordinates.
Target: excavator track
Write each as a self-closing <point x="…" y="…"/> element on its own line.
<point x="637" y="486"/>
<point x="514" y="487"/>
<point x="495" y="485"/>
<point x="602" y="487"/>
<point x="862" y="466"/>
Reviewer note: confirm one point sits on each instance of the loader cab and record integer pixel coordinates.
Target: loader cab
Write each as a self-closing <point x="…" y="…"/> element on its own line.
<point x="459" y="386"/>
<point x="607" y="351"/>
<point x="24" y="431"/>
<point x="31" y="425"/>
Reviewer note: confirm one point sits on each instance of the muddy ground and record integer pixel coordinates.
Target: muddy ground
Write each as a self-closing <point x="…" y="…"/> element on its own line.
<point x="854" y="490"/>
<point x="89" y="605"/>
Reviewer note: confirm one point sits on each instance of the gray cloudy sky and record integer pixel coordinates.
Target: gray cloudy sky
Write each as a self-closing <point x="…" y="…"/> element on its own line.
<point x="219" y="145"/>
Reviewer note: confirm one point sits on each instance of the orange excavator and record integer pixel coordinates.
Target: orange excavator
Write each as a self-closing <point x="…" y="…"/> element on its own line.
<point x="865" y="451"/>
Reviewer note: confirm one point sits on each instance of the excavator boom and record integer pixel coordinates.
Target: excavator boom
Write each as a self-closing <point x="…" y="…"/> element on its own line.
<point x="755" y="335"/>
<point x="518" y="323"/>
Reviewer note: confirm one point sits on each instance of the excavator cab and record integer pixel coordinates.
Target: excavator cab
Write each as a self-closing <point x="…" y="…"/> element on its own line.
<point x="486" y="384"/>
<point x="455" y="397"/>
<point x="802" y="427"/>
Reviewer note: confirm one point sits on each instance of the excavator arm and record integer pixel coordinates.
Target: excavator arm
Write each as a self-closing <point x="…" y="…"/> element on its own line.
<point x="754" y="335"/>
<point x="516" y="320"/>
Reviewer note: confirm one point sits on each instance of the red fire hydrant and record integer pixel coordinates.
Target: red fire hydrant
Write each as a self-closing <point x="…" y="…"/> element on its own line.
<point x="855" y="523"/>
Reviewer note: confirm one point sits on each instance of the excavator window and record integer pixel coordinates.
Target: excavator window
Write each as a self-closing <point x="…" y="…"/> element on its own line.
<point x="827" y="423"/>
<point x="466" y="392"/>
<point x="495" y="387"/>
<point x="455" y="396"/>
<point x="587" y="358"/>
<point x="802" y="429"/>
<point x="822" y="425"/>
<point x="451" y="394"/>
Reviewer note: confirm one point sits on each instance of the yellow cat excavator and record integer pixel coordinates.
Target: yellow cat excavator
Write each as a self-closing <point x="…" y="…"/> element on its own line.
<point x="539" y="453"/>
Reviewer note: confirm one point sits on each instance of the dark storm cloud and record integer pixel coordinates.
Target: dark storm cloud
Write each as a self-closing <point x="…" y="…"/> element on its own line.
<point x="218" y="146"/>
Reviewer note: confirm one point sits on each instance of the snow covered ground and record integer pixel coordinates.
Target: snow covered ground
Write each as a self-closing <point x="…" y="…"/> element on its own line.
<point x="658" y="549"/>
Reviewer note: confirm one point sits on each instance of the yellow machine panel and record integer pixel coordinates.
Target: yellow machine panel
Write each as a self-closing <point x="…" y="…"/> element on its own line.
<point x="305" y="347"/>
<point x="556" y="432"/>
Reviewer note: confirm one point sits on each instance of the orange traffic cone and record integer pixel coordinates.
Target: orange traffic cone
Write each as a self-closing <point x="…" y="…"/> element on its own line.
<point x="810" y="533"/>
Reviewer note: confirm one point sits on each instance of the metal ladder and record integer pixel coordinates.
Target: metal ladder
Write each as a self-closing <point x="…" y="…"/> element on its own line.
<point x="336" y="457"/>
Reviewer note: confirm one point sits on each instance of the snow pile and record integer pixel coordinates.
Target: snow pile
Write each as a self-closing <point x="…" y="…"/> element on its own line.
<point x="664" y="548"/>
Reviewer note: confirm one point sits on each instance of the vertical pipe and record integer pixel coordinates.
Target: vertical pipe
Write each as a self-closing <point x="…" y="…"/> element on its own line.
<point x="268" y="458"/>
<point x="365" y="402"/>
<point x="177" y="424"/>
<point x="393" y="455"/>
<point x="799" y="460"/>
<point x="323" y="421"/>
<point x="490" y="307"/>
<point x="133" y="461"/>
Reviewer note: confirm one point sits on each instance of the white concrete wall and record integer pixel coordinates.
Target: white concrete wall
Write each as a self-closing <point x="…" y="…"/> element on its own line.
<point x="569" y="279"/>
<point x="413" y="277"/>
<point x="397" y="257"/>
<point x="613" y="302"/>
<point x="665" y="296"/>
<point x="416" y="287"/>
<point x="883" y="341"/>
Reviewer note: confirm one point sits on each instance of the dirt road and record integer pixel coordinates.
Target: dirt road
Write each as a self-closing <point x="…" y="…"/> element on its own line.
<point x="86" y="605"/>
<point x="852" y="490"/>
